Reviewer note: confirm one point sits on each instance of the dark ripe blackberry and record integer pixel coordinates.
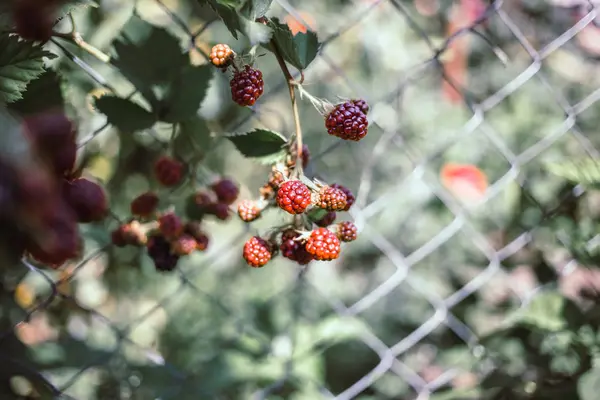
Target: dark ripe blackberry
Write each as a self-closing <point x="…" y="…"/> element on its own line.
<point x="170" y="225"/>
<point x="87" y="199"/>
<point x="168" y="171"/>
<point x="34" y="19"/>
<point x="246" y="86"/>
<point x="293" y="249"/>
<point x="159" y="250"/>
<point x="219" y="210"/>
<point x="144" y="205"/>
<point x="362" y="105"/>
<point x="347" y="122"/>
<point x="227" y="192"/>
<point x="327" y="219"/>
<point x="347" y="231"/>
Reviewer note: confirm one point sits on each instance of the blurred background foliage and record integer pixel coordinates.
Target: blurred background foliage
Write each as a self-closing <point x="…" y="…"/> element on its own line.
<point x="495" y="299"/>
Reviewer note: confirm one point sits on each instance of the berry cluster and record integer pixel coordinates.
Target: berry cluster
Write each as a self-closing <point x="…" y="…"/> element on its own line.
<point x="165" y="235"/>
<point x="247" y="82"/>
<point x="43" y="199"/>
<point x="313" y="234"/>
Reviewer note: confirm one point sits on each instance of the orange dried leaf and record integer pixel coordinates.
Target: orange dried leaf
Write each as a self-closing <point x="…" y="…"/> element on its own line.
<point x="465" y="181"/>
<point x="297" y="26"/>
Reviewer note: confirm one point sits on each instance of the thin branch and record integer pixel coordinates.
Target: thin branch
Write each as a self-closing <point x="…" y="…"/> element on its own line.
<point x="291" y="83"/>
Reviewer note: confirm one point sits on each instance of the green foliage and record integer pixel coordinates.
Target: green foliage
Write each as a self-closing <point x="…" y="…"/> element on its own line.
<point x="20" y="63"/>
<point x="124" y="114"/>
<point x="186" y="92"/>
<point x="244" y="23"/>
<point x="299" y="50"/>
<point x="41" y="94"/>
<point x="585" y="171"/>
<point x="261" y="144"/>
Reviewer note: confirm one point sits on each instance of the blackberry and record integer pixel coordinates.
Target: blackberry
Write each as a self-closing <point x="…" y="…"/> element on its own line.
<point x="257" y="252"/>
<point x="347" y="122"/>
<point x="331" y="199"/>
<point x="323" y="245"/>
<point x="347" y="231"/>
<point x="293" y="196"/>
<point x="246" y="86"/>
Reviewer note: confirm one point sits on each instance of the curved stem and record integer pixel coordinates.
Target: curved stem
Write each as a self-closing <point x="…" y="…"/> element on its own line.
<point x="292" y="89"/>
<point x="76" y="38"/>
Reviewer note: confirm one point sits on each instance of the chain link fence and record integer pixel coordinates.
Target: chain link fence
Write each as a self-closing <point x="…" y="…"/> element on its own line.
<point x="396" y="167"/>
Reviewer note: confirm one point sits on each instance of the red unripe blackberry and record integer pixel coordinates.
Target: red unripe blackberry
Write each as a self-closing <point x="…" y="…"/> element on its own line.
<point x="347" y="231"/>
<point x="350" y="199"/>
<point x="34" y="19"/>
<point x="327" y="219"/>
<point x="183" y="245"/>
<point x="257" y="252"/>
<point x="144" y="205"/>
<point x="219" y="210"/>
<point x="293" y="196"/>
<point x="347" y="122"/>
<point x="248" y="210"/>
<point x="55" y="138"/>
<point x="362" y="105"/>
<point x="168" y="171"/>
<point x="194" y="229"/>
<point x="221" y="55"/>
<point x="331" y="199"/>
<point x="159" y="250"/>
<point x="246" y="86"/>
<point x="227" y="192"/>
<point x="293" y="249"/>
<point x="170" y="225"/>
<point x="87" y="199"/>
<point x="129" y="234"/>
<point x="323" y="245"/>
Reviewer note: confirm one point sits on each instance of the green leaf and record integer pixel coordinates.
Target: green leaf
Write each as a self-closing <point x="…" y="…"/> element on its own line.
<point x="588" y="385"/>
<point x="259" y="143"/>
<point x="194" y="139"/>
<point x="42" y="94"/>
<point x="242" y="22"/>
<point x="124" y="114"/>
<point x="147" y="55"/>
<point x="20" y="63"/>
<point x="186" y="92"/>
<point x="256" y="8"/>
<point x="545" y="311"/>
<point x="299" y="50"/>
<point x="584" y="171"/>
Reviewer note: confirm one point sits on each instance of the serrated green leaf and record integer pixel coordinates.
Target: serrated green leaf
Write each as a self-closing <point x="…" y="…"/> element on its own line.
<point x="147" y="55"/>
<point x="259" y="143"/>
<point x="238" y="21"/>
<point x="299" y="50"/>
<point x="41" y="94"/>
<point x="20" y="63"/>
<point x="585" y="171"/>
<point x="253" y="9"/>
<point x="588" y="385"/>
<point x="124" y="114"/>
<point x="228" y="14"/>
<point x="185" y="94"/>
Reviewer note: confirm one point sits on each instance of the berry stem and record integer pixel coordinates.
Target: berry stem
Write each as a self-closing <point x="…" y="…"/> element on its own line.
<point x="76" y="38"/>
<point x="291" y="83"/>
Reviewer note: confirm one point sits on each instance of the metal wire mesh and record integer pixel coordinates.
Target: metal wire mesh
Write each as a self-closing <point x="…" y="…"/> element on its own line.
<point x="366" y="208"/>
